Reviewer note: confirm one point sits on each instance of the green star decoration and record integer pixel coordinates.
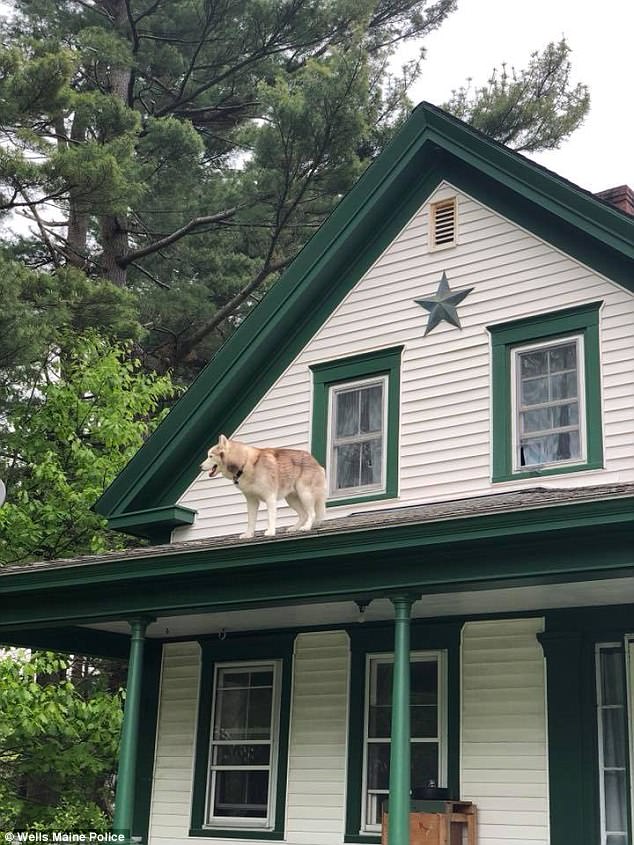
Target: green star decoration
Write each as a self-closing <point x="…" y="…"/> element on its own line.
<point x="442" y="305"/>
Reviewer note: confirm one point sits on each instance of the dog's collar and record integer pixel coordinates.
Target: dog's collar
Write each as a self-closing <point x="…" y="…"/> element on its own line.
<point x="236" y="477"/>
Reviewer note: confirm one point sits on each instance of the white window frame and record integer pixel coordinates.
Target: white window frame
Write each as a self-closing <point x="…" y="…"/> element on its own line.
<point x="267" y="823"/>
<point x="440" y="658"/>
<point x="599" y="647"/>
<point x="335" y="493"/>
<point x="581" y="399"/>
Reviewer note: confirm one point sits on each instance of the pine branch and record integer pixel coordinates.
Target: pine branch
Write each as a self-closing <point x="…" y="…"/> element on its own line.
<point x="149" y="249"/>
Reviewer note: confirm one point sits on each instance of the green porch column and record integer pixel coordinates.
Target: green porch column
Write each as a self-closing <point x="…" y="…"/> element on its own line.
<point x="126" y="772"/>
<point x="398" y="818"/>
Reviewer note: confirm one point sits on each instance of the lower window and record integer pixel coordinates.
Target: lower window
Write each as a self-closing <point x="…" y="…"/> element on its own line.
<point x="612" y="743"/>
<point x="243" y="745"/>
<point x="428" y="729"/>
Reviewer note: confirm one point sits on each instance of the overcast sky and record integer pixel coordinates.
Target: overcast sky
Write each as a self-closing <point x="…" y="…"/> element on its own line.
<point x="483" y="33"/>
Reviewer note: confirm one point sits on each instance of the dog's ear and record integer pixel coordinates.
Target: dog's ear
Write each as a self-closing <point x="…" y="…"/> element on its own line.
<point x="222" y="441"/>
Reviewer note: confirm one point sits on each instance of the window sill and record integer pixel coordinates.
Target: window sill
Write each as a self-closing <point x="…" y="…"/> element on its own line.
<point x="358" y="500"/>
<point x="543" y="473"/>
<point x="237" y="833"/>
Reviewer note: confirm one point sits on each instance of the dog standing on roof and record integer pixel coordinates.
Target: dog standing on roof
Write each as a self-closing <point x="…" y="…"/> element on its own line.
<point x="267" y="475"/>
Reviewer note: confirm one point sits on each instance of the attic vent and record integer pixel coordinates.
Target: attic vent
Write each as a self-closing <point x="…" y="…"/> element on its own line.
<point x="443" y="223"/>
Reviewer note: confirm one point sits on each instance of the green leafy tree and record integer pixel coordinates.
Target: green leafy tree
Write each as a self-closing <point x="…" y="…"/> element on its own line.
<point x="188" y="150"/>
<point x="529" y="110"/>
<point x="65" y="435"/>
<point x="58" y="745"/>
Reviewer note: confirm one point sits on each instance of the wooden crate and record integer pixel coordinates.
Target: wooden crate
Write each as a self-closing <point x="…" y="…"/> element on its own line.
<point x="443" y="826"/>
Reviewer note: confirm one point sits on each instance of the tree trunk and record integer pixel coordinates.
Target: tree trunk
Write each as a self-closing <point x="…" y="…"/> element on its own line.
<point x="114" y="244"/>
<point x="78" y="218"/>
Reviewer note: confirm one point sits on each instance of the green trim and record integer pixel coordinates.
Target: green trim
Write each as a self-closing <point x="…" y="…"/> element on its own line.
<point x="154" y="523"/>
<point x="546" y="545"/>
<point x="150" y="694"/>
<point x="70" y="640"/>
<point x="264" y="646"/>
<point x="505" y="337"/>
<point x="400" y="730"/>
<point x="430" y="146"/>
<point x="127" y="763"/>
<point x="425" y="635"/>
<point x="325" y="376"/>
<point x="573" y="758"/>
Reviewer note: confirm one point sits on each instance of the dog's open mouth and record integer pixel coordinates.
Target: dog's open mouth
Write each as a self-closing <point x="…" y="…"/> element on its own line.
<point x="213" y="470"/>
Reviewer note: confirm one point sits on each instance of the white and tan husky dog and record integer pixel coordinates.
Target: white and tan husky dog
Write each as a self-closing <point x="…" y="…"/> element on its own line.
<point x="267" y="475"/>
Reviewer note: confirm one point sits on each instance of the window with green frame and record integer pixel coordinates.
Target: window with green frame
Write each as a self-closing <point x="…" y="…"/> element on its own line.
<point x="434" y="712"/>
<point x="356" y="423"/>
<point x="242" y="744"/>
<point x="546" y="387"/>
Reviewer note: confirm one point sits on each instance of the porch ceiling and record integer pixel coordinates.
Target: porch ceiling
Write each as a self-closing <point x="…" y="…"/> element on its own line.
<point x="614" y="591"/>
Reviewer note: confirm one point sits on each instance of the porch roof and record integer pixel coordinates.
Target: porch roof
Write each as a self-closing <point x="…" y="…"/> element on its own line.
<point x="519" y="501"/>
<point x="489" y="544"/>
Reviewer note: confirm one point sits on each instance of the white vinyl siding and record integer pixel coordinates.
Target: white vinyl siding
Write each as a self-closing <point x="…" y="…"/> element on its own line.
<point x="315" y="806"/>
<point x="445" y="432"/>
<point x="504" y="754"/>
<point x="176" y="736"/>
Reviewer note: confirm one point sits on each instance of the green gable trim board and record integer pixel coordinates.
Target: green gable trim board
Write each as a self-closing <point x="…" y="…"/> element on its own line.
<point x="584" y="321"/>
<point x="155" y="523"/>
<point x="244" y="649"/>
<point x="366" y="221"/>
<point x="382" y="362"/>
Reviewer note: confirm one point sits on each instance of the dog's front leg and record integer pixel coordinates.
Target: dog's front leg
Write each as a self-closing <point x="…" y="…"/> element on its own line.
<point x="252" y="514"/>
<point x="271" y="506"/>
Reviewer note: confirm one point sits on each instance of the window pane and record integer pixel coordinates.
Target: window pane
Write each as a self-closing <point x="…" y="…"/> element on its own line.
<point x="616" y="839"/>
<point x="533" y="363"/>
<point x="563" y="358"/>
<point x="550" y="448"/>
<point x="615" y="801"/>
<point x="378" y="765"/>
<point x="241" y="755"/>
<point x="424" y="763"/>
<point x="259" y="713"/>
<point x="241" y="794"/>
<point x="612" y="676"/>
<point x="380" y="710"/>
<point x="424" y="699"/>
<point x="371" y="408"/>
<point x="563" y="386"/>
<point x="347" y="413"/>
<point x="614" y="737"/>
<point x="347" y="462"/>
<point x="371" y="462"/>
<point x="562" y="415"/>
<point x="535" y="420"/>
<point x="243" y="712"/>
<point x="231" y="714"/>
<point x="534" y="391"/>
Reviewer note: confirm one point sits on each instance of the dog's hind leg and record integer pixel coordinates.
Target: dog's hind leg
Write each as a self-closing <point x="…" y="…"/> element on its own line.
<point x="252" y="510"/>
<point x="320" y="510"/>
<point x="307" y="498"/>
<point x="271" y="506"/>
<point x="293" y="501"/>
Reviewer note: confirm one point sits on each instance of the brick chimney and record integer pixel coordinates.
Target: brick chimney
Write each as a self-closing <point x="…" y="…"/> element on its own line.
<point x="622" y="197"/>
